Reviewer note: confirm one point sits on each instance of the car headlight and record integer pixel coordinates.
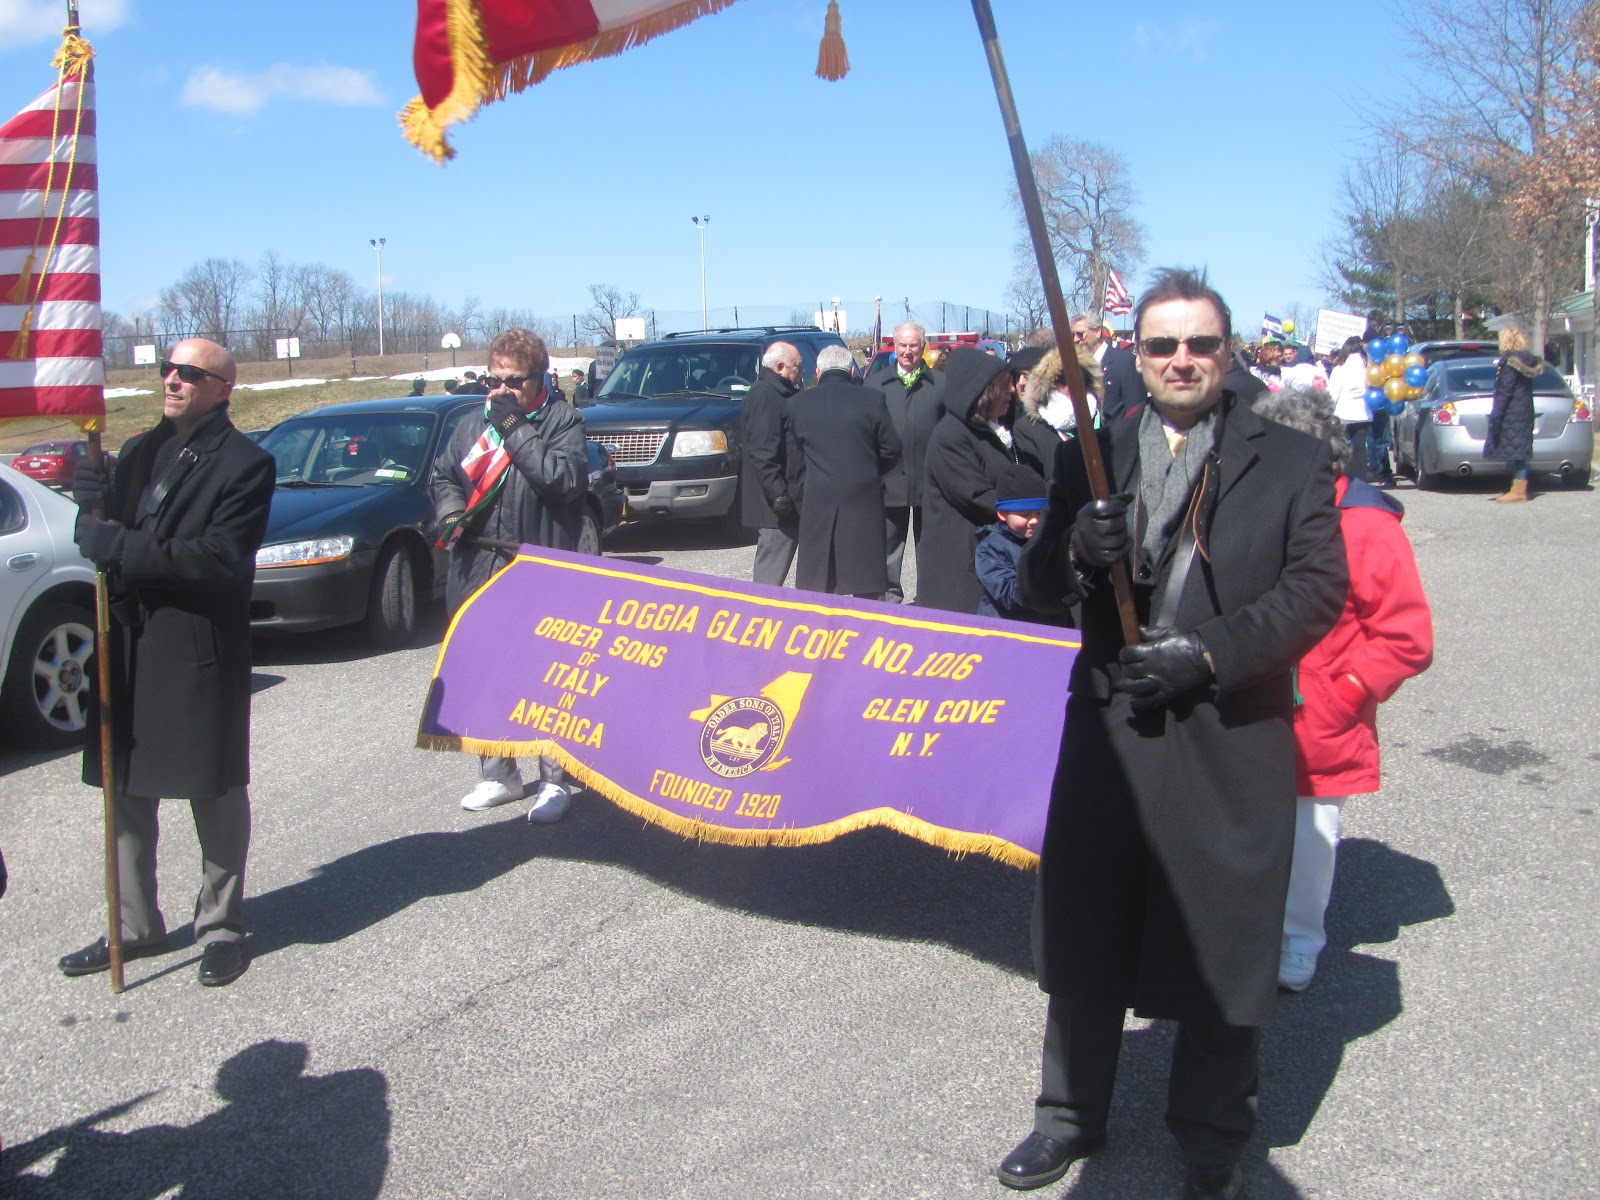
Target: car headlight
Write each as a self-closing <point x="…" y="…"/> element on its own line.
<point x="699" y="442"/>
<point x="305" y="554"/>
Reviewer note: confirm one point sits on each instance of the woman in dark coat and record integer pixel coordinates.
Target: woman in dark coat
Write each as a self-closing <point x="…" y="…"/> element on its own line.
<point x="975" y="440"/>
<point x="1510" y="437"/>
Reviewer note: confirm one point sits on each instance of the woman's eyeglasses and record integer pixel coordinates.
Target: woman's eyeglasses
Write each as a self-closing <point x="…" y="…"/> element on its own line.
<point x="514" y="382"/>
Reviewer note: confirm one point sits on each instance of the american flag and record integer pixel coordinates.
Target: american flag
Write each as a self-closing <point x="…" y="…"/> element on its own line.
<point x="51" y="360"/>
<point x="1118" y="300"/>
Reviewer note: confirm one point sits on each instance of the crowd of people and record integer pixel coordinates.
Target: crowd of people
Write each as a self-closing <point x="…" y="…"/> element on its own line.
<point x="1246" y="600"/>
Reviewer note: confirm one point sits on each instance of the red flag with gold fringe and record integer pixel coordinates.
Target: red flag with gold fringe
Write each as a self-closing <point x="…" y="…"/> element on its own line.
<point x="51" y="361"/>
<point x="470" y="53"/>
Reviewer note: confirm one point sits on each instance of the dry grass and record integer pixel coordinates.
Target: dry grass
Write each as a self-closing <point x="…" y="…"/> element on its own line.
<point x="127" y="415"/>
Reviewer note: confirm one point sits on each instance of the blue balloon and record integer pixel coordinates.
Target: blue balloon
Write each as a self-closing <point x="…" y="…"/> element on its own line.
<point x="1394" y="407"/>
<point x="1399" y="344"/>
<point x="1416" y="376"/>
<point x="1377" y="349"/>
<point x="1376" y="399"/>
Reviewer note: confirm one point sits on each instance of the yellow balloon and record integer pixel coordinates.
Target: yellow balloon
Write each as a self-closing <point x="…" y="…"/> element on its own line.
<point x="1415" y="360"/>
<point x="1414" y="393"/>
<point x="1394" y="365"/>
<point x="1288" y="326"/>
<point x="1375" y="375"/>
<point x="1395" y="388"/>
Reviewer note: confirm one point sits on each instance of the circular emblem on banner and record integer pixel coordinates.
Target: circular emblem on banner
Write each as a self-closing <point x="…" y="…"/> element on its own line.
<point x="741" y="735"/>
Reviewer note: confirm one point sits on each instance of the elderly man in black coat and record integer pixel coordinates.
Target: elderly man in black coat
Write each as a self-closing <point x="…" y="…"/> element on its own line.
<point x="1171" y="825"/>
<point x="912" y="391"/>
<point x="841" y="441"/>
<point x="184" y="515"/>
<point x="765" y="503"/>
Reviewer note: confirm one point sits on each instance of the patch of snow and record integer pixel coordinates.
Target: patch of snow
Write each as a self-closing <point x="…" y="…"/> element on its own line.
<point x="275" y="384"/>
<point x="119" y="393"/>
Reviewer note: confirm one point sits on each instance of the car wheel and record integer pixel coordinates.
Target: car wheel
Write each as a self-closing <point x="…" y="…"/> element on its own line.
<point x="1426" y="479"/>
<point x="50" y="677"/>
<point x="392" y="609"/>
<point x="589" y="535"/>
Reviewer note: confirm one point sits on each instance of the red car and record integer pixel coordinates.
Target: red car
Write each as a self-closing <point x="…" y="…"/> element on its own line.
<point x="54" y="463"/>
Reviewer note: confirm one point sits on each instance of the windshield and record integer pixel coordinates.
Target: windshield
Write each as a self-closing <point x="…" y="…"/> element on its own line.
<point x="1478" y="376"/>
<point x="664" y="369"/>
<point x="362" y="450"/>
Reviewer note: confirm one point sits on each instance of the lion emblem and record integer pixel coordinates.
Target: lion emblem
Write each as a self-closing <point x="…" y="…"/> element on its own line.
<point x="740" y="735"/>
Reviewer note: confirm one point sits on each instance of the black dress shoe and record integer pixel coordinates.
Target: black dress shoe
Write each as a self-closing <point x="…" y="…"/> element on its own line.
<point x="96" y="956"/>
<point x="1039" y="1160"/>
<point x="221" y="963"/>
<point x="1223" y="1181"/>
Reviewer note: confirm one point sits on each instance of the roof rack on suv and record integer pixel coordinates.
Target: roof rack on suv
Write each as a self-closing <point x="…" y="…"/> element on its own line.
<point x="742" y="329"/>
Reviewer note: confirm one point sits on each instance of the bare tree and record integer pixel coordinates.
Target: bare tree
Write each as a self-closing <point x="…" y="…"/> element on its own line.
<point x="1088" y="202"/>
<point x="208" y="299"/>
<point x="1026" y="293"/>
<point x="607" y="304"/>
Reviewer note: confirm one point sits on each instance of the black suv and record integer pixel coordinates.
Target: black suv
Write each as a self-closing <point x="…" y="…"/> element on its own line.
<point x="669" y="412"/>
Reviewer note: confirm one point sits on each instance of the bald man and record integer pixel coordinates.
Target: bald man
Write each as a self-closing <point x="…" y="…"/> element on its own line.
<point x="176" y="529"/>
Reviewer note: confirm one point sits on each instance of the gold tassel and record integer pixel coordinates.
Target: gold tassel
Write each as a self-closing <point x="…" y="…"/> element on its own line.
<point x="19" y="292"/>
<point x="832" y="61"/>
<point x="19" y="345"/>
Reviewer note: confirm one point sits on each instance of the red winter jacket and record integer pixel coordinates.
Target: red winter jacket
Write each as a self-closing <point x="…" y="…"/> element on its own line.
<point x="1383" y="637"/>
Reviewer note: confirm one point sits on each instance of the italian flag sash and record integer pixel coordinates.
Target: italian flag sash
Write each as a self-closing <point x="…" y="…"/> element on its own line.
<point x="485" y="467"/>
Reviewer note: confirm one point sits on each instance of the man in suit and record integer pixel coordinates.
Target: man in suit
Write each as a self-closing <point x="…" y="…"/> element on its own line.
<point x="176" y="530"/>
<point x="1124" y="389"/>
<point x="764" y="499"/>
<point x="841" y="441"/>
<point x="1170" y="833"/>
<point x="913" y="393"/>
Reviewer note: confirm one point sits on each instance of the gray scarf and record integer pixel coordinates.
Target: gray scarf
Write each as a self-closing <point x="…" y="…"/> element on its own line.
<point x="1166" y="481"/>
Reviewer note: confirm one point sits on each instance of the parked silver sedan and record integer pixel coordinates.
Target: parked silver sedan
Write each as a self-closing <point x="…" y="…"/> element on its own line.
<point x="1441" y="435"/>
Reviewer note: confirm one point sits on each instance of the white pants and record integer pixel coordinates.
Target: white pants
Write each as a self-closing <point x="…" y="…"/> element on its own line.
<point x="1318" y="821"/>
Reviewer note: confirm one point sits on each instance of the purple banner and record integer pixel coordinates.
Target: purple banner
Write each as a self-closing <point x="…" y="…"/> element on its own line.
<point x="739" y="713"/>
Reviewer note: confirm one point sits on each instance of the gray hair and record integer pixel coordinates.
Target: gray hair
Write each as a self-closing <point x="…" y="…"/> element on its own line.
<point x="922" y="334"/>
<point x="779" y="353"/>
<point x="1310" y="410"/>
<point x="835" y="358"/>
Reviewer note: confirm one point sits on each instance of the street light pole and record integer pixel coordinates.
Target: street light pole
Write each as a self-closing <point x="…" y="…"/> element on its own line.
<point x="378" y="245"/>
<point x="701" y="223"/>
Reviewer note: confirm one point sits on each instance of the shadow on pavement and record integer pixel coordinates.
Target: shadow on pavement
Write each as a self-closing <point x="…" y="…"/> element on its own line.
<point x="873" y="882"/>
<point x="280" y="1133"/>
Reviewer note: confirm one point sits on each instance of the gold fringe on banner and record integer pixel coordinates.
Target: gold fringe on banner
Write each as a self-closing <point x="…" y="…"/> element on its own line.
<point x="952" y="841"/>
<point x="19" y="290"/>
<point x="832" y="61"/>
<point x="477" y="81"/>
<point x="19" y="344"/>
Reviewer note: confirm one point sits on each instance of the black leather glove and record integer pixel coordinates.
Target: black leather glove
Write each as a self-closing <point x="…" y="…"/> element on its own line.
<point x="451" y="527"/>
<point x="1100" y="531"/>
<point x="89" y="486"/>
<point x="100" y="541"/>
<point x="505" y="412"/>
<point x="783" y="506"/>
<point x="1163" y="667"/>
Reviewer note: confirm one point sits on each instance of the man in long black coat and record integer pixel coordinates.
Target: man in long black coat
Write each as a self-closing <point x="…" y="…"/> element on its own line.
<point x="184" y="515"/>
<point x="1168" y="843"/>
<point x="841" y="441"/>
<point x="912" y="391"/>
<point x="765" y="503"/>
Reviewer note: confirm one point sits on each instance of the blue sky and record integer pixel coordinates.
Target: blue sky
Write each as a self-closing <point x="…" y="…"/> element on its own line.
<point x="231" y="129"/>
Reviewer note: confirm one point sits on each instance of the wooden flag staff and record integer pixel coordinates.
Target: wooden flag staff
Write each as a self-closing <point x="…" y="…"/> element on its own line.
<point x="1028" y="188"/>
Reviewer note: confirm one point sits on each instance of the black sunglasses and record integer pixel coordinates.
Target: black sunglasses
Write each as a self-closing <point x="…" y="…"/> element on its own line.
<point x="1200" y="345"/>
<point x="514" y="382"/>
<point x="188" y="372"/>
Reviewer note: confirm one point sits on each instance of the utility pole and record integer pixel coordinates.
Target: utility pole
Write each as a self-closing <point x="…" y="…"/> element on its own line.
<point x="702" y="224"/>
<point x="378" y="245"/>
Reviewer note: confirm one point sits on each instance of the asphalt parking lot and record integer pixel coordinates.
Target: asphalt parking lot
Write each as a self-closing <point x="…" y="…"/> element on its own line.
<point x="447" y="1004"/>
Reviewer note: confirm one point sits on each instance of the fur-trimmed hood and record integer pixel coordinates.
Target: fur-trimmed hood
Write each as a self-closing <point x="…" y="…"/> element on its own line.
<point x="1043" y="379"/>
<point x="1523" y="363"/>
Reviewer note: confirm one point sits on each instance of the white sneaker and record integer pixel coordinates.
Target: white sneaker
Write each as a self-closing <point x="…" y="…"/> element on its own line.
<point x="549" y="803"/>
<point x="1295" y="971"/>
<point x="491" y="793"/>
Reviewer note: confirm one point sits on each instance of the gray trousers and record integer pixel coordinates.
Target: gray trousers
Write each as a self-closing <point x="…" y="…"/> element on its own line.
<point x="549" y="770"/>
<point x="775" y="554"/>
<point x="223" y="827"/>
<point x="899" y="523"/>
<point x="1211" y="1094"/>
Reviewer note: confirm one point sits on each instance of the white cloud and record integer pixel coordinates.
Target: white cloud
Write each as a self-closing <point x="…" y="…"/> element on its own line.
<point x="243" y="95"/>
<point x="1190" y="39"/>
<point x="26" y="21"/>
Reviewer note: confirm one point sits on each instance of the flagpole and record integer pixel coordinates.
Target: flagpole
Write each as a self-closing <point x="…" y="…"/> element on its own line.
<point x="1027" y="186"/>
<point x="102" y="660"/>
